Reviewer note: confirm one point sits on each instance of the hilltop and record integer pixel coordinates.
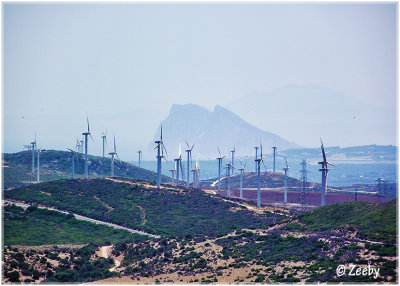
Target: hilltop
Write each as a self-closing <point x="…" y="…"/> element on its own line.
<point x="56" y="165"/>
<point x="267" y="179"/>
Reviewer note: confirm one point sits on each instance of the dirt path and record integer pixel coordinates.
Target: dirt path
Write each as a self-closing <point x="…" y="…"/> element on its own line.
<point x="106" y="252"/>
<point x="80" y="217"/>
<point x="143" y="184"/>
<point x="142" y="214"/>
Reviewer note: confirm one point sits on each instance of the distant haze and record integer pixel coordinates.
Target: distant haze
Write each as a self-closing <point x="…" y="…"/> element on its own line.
<point x="301" y="71"/>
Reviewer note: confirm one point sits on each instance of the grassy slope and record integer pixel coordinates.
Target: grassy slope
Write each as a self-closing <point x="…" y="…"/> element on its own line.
<point x="57" y="165"/>
<point x="268" y="180"/>
<point x="373" y="220"/>
<point x="169" y="212"/>
<point x="38" y="227"/>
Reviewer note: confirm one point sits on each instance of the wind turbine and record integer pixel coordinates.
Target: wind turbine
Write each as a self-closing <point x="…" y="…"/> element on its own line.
<point x="82" y="146"/>
<point x="274" y="148"/>
<point x="104" y="137"/>
<point x="173" y="175"/>
<point x="113" y="154"/>
<point x="228" y="182"/>
<point x="33" y="154"/>
<point x="258" y="163"/>
<point x="179" y="166"/>
<point x="196" y="171"/>
<point x="219" y="170"/>
<point x="233" y="158"/>
<point x="86" y="147"/>
<point x="73" y="155"/>
<point x="78" y="146"/>
<point x="160" y="154"/>
<point x="324" y="169"/>
<point x="189" y="155"/>
<point x="140" y="155"/>
<point x="28" y="147"/>
<point x="286" y="169"/>
<point x="38" y="165"/>
<point x="241" y="169"/>
<point x="256" y="156"/>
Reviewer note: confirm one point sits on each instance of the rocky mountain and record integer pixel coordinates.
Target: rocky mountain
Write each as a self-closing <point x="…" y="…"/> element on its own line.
<point x="209" y="129"/>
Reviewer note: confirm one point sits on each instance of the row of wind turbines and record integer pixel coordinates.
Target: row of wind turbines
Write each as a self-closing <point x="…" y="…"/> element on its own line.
<point x="230" y="169"/>
<point x="178" y="168"/>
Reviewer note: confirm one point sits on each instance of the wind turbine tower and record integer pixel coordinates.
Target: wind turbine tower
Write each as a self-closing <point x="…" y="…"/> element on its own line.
<point x="86" y="147"/>
<point x="228" y="172"/>
<point x="258" y="164"/>
<point x="104" y="137"/>
<point x="73" y="155"/>
<point x="38" y="166"/>
<point x="241" y="169"/>
<point x="195" y="172"/>
<point x="189" y="159"/>
<point x="160" y="154"/>
<point x="274" y="148"/>
<point x="219" y="170"/>
<point x="380" y="193"/>
<point x="33" y="154"/>
<point x="324" y="169"/>
<point x="173" y="175"/>
<point x="82" y="146"/>
<point x="113" y="154"/>
<point x="256" y="157"/>
<point x="140" y="155"/>
<point x="286" y="169"/>
<point x="233" y="159"/>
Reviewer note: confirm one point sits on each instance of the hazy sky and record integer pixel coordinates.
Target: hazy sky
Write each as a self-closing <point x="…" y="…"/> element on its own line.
<point x="63" y="61"/>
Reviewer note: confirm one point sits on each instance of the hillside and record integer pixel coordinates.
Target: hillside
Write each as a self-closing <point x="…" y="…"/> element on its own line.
<point x="267" y="179"/>
<point x="56" y="165"/>
<point x="139" y="205"/>
<point x="205" y="238"/>
<point x="209" y="129"/>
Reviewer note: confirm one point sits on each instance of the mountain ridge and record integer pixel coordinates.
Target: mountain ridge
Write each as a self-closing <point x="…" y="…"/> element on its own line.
<point x="209" y="129"/>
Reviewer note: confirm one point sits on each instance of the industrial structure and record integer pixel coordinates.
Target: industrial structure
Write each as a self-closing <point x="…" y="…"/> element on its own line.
<point x="286" y="169"/>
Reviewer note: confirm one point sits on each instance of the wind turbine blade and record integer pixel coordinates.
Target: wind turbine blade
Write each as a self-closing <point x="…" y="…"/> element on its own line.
<point x="286" y="163"/>
<point x="240" y="162"/>
<point x="88" y="129"/>
<point x="163" y="148"/>
<point x="219" y="152"/>
<point x="161" y="132"/>
<point x="264" y="164"/>
<point x="115" y="147"/>
<point x="187" y="144"/>
<point x="223" y="157"/>
<point x="91" y="137"/>
<point x="157" y="145"/>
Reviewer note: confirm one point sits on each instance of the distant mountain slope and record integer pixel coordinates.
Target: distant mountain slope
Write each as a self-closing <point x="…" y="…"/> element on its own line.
<point x="208" y="129"/>
<point x="303" y="113"/>
<point x="56" y="165"/>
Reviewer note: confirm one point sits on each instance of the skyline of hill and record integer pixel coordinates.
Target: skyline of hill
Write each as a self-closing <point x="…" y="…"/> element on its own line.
<point x="210" y="129"/>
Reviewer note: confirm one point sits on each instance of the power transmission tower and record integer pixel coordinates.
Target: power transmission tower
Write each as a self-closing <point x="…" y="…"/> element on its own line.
<point x="379" y="192"/>
<point x="304" y="197"/>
